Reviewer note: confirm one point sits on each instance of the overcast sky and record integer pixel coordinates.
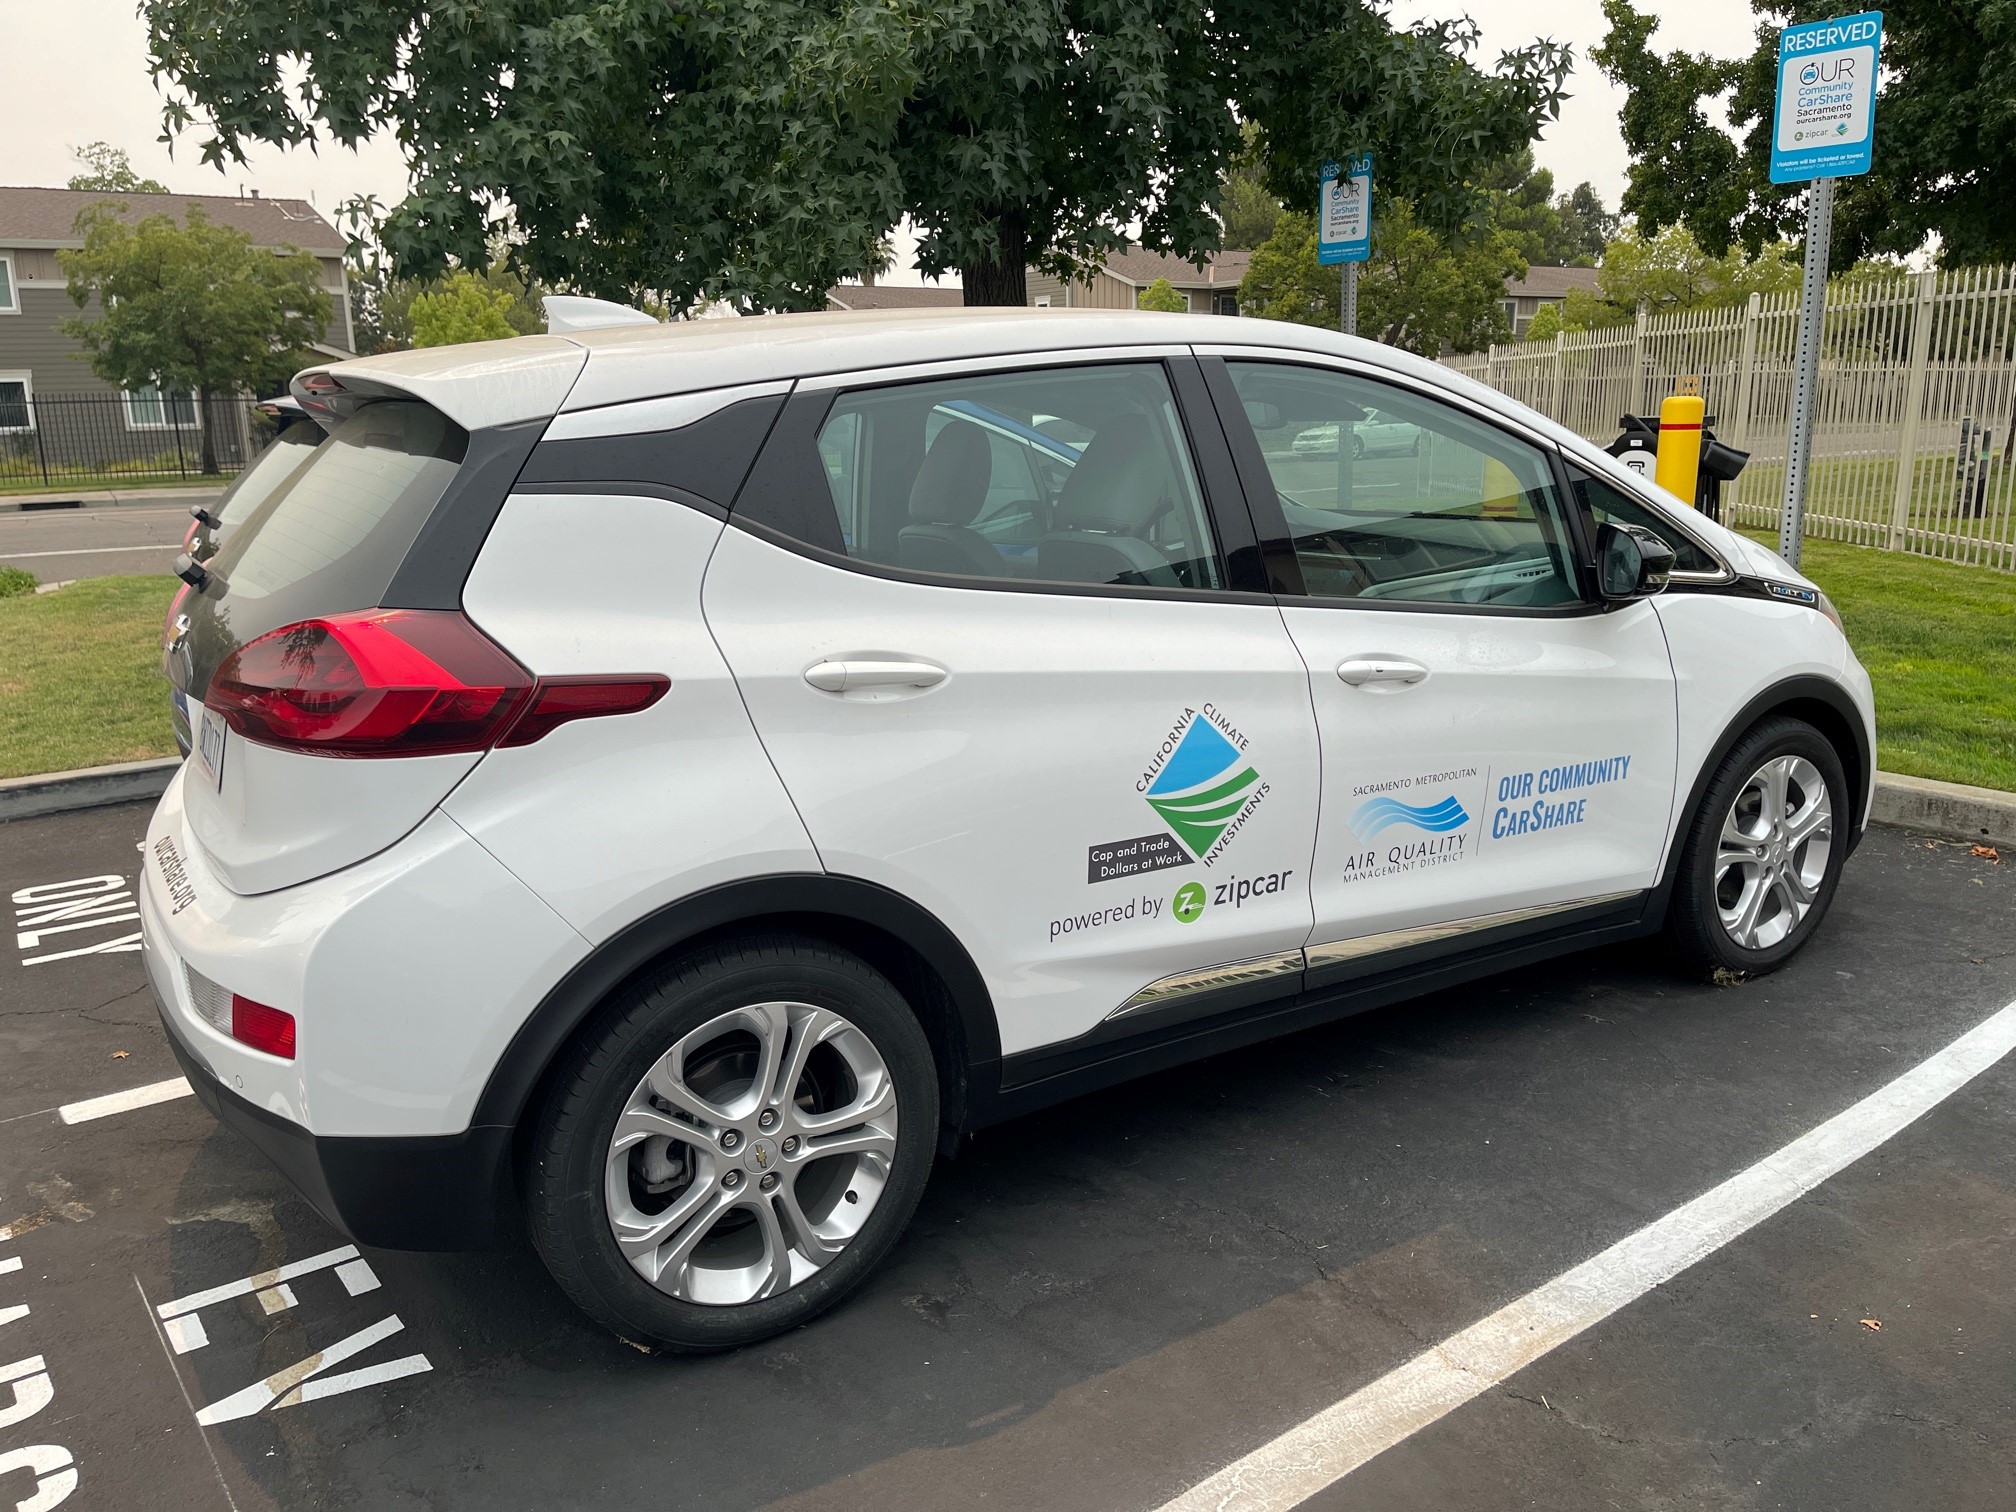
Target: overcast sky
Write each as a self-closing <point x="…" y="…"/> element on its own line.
<point x="75" y="71"/>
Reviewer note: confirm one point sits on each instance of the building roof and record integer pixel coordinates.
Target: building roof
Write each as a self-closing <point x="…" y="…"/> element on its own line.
<point x="1543" y="282"/>
<point x="33" y="217"/>
<point x="893" y="297"/>
<point x="1140" y="267"/>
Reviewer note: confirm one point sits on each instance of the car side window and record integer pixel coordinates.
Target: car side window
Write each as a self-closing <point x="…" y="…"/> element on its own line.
<point x="1063" y="475"/>
<point x="1394" y="497"/>
<point x="1604" y="502"/>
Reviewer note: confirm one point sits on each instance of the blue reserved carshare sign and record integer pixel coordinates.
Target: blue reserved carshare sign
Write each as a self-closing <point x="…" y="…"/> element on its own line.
<point x="1344" y="213"/>
<point x="1825" y="122"/>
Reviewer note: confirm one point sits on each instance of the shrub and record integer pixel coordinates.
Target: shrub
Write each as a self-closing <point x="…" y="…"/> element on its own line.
<point x="15" y="581"/>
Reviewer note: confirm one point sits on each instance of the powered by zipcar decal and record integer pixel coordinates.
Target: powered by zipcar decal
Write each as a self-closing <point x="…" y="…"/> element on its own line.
<point x="1548" y="809"/>
<point x="1439" y="820"/>
<point x="1200" y="783"/>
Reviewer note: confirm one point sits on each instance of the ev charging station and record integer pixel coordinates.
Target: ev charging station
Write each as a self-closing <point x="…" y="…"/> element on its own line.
<point x="1823" y="128"/>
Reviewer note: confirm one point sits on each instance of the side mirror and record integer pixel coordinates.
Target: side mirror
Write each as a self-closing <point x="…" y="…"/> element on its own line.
<point x="1263" y="416"/>
<point x="1631" y="563"/>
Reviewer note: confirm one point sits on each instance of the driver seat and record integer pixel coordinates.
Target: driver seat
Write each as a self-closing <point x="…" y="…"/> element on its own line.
<point x="945" y="499"/>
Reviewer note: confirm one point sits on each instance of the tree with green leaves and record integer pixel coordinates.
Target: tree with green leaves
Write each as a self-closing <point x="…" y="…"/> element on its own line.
<point x="1247" y="208"/>
<point x="1945" y="133"/>
<point x="462" y="307"/>
<point x="107" y="170"/>
<point x="190" y="306"/>
<point x="1420" y="290"/>
<point x="1555" y="231"/>
<point x="1162" y="295"/>
<point x="758" y="150"/>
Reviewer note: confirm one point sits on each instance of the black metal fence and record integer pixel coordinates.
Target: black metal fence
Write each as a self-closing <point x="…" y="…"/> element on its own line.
<point x="72" y="440"/>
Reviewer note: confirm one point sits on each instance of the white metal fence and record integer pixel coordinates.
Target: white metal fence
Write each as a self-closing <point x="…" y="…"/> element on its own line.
<point x="1916" y="405"/>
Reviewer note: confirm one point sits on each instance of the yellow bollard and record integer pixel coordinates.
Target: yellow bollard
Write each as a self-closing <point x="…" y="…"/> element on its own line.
<point x="1679" y="466"/>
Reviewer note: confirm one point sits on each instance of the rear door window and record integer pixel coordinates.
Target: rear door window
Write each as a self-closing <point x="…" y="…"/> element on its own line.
<point x="1058" y="476"/>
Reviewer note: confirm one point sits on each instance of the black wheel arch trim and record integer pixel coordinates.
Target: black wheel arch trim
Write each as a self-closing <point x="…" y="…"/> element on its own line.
<point x="754" y="901"/>
<point x="1781" y="697"/>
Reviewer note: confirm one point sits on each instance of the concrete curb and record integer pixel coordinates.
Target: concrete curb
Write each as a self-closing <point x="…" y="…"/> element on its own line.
<point x="90" y="787"/>
<point x="1947" y="809"/>
<point x="110" y="498"/>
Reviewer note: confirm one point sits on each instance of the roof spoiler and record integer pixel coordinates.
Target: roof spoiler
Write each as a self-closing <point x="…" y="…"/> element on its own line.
<point x="566" y="313"/>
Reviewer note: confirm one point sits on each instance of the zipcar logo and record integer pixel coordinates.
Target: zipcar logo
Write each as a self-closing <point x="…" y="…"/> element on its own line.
<point x="1383" y="813"/>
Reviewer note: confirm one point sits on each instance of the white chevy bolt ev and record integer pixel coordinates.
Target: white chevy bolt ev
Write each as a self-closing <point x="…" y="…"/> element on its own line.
<point x="667" y="784"/>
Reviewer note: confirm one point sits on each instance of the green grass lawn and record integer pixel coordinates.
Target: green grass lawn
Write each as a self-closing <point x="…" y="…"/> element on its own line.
<point x="80" y="675"/>
<point x="1940" y="644"/>
<point x="80" y="680"/>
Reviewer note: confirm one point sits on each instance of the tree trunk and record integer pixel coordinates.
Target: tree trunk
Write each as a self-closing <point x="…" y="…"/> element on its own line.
<point x="208" y="432"/>
<point x="1002" y="280"/>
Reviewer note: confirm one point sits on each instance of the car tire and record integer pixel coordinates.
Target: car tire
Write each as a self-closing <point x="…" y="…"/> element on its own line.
<point x="1763" y="853"/>
<point x="747" y="1228"/>
<point x="1357" y="446"/>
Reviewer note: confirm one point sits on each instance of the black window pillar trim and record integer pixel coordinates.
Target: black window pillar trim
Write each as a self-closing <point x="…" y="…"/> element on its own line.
<point x="1263" y="503"/>
<point x="1218" y="472"/>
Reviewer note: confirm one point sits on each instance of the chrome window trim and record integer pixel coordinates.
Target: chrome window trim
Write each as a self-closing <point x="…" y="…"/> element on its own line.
<point x="1006" y="362"/>
<point x="638" y="417"/>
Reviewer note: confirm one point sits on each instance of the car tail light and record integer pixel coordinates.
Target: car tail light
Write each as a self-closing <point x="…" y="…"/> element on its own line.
<point x="559" y="699"/>
<point x="382" y="682"/>
<point x="254" y="1024"/>
<point x="402" y="682"/>
<point x="262" y="1028"/>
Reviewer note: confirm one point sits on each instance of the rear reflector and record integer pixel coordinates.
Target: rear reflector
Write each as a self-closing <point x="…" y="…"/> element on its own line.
<point x="559" y="699"/>
<point x="262" y="1028"/>
<point x="253" y="1024"/>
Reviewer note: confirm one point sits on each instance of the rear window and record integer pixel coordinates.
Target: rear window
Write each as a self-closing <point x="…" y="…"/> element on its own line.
<point x="330" y="537"/>
<point x="269" y="472"/>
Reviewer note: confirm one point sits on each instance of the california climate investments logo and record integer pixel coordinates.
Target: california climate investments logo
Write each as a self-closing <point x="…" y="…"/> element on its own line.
<point x="1201" y="784"/>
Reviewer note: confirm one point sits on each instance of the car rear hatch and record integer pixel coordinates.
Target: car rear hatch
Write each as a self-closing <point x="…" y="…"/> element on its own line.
<point x="280" y="792"/>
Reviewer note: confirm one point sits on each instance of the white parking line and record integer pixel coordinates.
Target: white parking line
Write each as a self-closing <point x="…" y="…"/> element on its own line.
<point x="1337" y="1440"/>
<point x="124" y="1102"/>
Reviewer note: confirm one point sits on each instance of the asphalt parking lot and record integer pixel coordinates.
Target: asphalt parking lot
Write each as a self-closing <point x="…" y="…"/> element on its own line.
<point x="1100" y="1306"/>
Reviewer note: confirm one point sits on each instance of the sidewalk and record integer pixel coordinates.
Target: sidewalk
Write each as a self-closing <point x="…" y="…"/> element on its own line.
<point x="101" y="498"/>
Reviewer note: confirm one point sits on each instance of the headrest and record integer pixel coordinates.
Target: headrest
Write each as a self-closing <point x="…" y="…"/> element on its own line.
<point x="952" y="484"/>
<point x="1121" y="482"/>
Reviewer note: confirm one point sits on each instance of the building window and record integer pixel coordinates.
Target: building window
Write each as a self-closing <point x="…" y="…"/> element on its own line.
<point x="148" y="409"/>
<point x="10" y="302"/>
<point x="1224" y="303"/>
<point x="17" y="403"/>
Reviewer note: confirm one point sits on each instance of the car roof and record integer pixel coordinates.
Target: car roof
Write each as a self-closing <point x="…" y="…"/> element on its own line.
<point x="534" y="377"/>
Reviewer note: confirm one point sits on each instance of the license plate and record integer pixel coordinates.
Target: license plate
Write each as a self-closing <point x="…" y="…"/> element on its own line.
<point x="210" y="747"/>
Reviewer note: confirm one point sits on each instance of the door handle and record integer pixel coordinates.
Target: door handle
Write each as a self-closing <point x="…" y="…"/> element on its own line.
<point x="1380" y="670"/>
<point x="846" y="676"/>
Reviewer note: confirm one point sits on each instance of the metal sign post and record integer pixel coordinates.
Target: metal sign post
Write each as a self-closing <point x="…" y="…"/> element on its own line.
<point x="1344" y="229"/>
<point x="1822" y="129"/>
<point x="1806" y="365"/>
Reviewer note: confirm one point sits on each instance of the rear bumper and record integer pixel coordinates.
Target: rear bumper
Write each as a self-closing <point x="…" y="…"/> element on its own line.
<point x="412" y="1192"/>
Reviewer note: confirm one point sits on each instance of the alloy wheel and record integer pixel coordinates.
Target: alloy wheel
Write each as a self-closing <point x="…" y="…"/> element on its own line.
<point x="1772" y="854"/>
<point x="751" y="1153"/>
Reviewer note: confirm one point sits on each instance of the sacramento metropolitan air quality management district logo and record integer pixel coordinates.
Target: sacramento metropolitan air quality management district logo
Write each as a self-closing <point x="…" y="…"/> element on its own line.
<point x="1200" y="783"/>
